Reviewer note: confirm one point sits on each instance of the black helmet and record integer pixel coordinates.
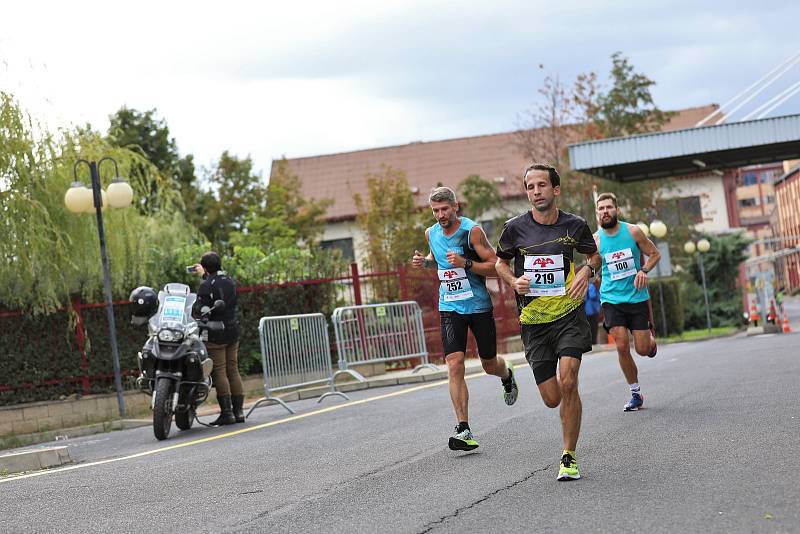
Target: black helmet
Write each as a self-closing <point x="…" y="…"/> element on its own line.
<point x="145" y="301"/>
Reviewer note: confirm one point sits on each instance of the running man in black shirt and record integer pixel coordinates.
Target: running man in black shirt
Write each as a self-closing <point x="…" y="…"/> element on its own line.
<point x="550" y="292"/>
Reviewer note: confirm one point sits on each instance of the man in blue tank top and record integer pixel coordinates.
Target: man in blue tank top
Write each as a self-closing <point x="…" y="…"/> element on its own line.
<point x="463" y="257"/>
<point x="623" y="290"/>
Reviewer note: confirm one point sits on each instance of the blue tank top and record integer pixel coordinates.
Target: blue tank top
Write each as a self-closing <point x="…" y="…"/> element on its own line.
<point x="460" y="291"/>
<point x="621" y="261"/>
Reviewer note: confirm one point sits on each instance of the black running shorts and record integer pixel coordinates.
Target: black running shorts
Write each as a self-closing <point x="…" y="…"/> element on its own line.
<point x="546" y="343"/>
<point x="635" y="316"/>
<point x="454" y="332"/>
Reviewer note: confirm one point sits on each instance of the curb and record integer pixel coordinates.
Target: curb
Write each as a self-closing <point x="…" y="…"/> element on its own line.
<point x="34" y="460"/>
<point x="22" y="440"/>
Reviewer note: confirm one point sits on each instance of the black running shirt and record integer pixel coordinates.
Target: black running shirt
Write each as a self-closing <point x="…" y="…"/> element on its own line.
<point x="545" y="253"/>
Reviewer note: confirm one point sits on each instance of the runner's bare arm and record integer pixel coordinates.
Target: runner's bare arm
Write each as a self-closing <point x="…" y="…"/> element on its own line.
<point x="580" y="283"/>
<point x="419" y="261"/>
<point x="486" y="253"/>
<point x="504" y="270"/>
<point x="648" y="249"/>
<point x="599" y="271"/>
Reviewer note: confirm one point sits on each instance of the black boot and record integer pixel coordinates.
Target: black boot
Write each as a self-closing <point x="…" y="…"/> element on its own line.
<point x="238" y="407"/>
<point x="225" y="412"/>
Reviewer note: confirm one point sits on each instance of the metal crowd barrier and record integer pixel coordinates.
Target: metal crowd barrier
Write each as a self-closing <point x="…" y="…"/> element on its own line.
<point x="295" y="352"/>
<point x="379" y="333"/>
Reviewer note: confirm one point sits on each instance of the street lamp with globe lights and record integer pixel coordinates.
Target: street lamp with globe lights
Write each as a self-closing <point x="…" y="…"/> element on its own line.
<point x="82" y="199"/>
<point x="658" y="230"/>
<point x="701" y="247"/>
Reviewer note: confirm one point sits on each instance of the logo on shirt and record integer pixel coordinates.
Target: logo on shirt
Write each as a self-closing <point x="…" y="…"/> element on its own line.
<point x="449" y="274"/>
<point x="617" y="255"/>
<point x="543" y="262"/>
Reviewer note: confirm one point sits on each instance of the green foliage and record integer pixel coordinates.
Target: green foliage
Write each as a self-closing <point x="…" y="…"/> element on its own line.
<point x="288" y="217"/>
<point x="627" y="108"/>
<point x="391" y="225"/>
<point x="721" y="265"/>
<point x="238" y="191"/>
<point x="143" y="132"/>
<point x="479" y="197"/>
<point x="673" y="305"/>
<point x="49" y="254"/>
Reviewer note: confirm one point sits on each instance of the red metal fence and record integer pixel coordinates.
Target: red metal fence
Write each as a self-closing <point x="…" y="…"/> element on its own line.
<point x="67" y="352"/>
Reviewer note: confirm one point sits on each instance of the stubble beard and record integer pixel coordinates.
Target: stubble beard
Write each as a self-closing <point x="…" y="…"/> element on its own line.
<point x="448" y="222"/>
<point x="544" y="207"/>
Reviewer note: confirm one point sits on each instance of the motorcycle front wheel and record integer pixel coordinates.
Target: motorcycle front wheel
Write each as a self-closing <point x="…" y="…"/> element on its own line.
<point x="162" y="408"/>
<point x="184" y="419"/>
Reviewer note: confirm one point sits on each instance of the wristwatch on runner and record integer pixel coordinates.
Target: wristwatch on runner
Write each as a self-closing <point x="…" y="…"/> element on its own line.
<point x="645" y="270"/>
<point x="594" y="273"/>
<point x="468" y="264"/>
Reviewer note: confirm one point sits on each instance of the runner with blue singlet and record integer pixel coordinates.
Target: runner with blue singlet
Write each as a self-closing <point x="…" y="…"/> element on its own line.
<point x="623" y="290"/>
<point x="463" y="258"/>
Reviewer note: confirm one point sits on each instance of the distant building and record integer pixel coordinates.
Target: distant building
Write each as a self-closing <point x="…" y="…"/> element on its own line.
<point x="493" y="157"/>
<point x="787" y="193"/>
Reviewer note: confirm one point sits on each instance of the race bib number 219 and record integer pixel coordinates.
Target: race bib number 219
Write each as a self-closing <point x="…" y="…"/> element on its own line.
<point x="546" y="274"/>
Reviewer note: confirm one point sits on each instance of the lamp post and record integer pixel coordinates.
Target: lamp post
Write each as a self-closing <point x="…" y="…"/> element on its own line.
<point x="81" y="199"/>
<point x="702" y="247"/>
<point x="658" y="230"/>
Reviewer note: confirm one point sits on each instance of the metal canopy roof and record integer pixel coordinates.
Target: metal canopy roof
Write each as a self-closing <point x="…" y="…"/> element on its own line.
<point x="681" y="152"/>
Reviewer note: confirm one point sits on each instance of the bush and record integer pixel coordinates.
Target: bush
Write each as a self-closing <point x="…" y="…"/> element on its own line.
<point x="673" y="305"/>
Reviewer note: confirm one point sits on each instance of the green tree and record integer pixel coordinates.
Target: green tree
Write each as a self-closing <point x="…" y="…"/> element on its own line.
<point x="288" y="217"/>
<point x="48" y="254"/>
<point x="391" y="225"/>
<point x="480" y="197"/>
<point x="721" y="265"/>
<point x="238" y="191"/>
<point x="144" y="132"/>
<point x="627" y="108"/>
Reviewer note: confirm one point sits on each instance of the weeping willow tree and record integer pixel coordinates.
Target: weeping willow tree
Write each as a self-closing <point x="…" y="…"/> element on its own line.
<point x="49" y="255"/>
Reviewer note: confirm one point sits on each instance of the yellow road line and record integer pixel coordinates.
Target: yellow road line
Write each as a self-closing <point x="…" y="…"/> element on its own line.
<point x="233" y="433"/>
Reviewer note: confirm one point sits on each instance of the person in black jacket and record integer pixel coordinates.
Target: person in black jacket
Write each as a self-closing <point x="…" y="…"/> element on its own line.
<point x="223" y="346"/>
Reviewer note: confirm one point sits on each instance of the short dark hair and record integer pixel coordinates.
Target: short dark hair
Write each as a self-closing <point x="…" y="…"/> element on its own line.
<point x="211" y="262"/>
<point x="608" y="196"/>
<point x="555" y="179"/>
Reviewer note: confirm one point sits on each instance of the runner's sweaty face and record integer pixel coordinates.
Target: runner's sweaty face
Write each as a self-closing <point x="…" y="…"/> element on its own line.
<point x="444" y="213"/>
<point x="541" y="193"/>
<point x="607" y="213"/>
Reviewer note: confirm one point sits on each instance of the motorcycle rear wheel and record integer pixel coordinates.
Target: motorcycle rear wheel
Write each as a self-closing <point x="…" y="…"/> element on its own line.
<point x="162" y="409"/>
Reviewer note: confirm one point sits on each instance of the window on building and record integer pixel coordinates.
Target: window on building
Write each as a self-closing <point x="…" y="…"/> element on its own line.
<point x="748" y="202"/>
<point x="748" y="178"/>
<point x="343" y="245"/>
<point x="770" y="199"/>
<point x="680" y="211"/>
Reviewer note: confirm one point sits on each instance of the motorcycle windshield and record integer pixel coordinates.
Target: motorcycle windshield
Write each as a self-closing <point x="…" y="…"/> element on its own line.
<point x="175" y="308"/>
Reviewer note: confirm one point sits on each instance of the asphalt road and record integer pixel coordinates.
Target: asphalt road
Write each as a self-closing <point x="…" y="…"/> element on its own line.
<point x="716" y="450"/>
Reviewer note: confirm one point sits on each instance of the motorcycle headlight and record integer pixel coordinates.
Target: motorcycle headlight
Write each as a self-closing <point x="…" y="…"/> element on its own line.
<point x="170" y="336"/>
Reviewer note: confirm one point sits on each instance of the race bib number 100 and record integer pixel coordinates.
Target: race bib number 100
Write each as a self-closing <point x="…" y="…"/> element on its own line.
<point x="620" y="264"/>
<point x="455" y="284"/>
<point x="546" y="274"/>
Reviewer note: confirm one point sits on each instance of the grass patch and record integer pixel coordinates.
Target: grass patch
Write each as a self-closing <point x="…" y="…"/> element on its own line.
<point x="696" y="335"/>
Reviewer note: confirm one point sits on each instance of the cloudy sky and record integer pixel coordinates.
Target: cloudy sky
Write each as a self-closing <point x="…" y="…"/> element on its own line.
<point x="304" y="78"/>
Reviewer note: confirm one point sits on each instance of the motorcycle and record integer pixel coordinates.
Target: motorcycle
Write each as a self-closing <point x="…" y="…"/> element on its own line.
<point x="175" y="368"/>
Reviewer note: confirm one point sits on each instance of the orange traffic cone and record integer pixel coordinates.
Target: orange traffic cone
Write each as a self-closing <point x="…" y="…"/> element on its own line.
<point x="754" y="317"/>
<point x="787" y="329"/>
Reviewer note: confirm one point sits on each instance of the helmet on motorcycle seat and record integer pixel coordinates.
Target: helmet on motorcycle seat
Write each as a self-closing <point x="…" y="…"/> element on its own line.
<point x="144" y="301"/>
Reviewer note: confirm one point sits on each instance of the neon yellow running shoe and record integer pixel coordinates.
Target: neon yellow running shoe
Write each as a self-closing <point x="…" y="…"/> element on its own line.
<point x="463" y="441"/>
<point x="568" y="468"/>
